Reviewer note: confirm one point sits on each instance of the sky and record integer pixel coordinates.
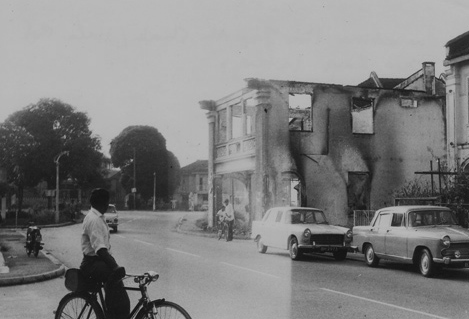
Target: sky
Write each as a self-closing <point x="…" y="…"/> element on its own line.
<point x="143" y="62"/>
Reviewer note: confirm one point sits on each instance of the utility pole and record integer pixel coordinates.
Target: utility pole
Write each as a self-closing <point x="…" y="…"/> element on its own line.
<point x="135" y="181"/>
<point x="57" y="182"/>
<point x="154" y="190"/>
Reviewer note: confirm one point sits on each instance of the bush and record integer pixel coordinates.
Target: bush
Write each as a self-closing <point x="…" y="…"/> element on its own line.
<point x="202" y="223"/>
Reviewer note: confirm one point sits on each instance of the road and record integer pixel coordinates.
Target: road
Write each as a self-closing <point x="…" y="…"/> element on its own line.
<point x="217" y="279"/>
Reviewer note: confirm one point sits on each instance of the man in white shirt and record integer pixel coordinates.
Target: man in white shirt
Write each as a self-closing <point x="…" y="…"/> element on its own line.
<point x="98" y="262"/>
<point x="229" y="218"/>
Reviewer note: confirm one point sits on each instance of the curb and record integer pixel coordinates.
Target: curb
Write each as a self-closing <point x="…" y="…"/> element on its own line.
<point x="3" y="269"/>
<point x="20" y="280"/>
<point x="33" y="278"/>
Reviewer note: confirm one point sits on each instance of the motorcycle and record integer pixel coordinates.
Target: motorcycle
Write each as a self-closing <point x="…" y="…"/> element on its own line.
<point x="33" y="240"/>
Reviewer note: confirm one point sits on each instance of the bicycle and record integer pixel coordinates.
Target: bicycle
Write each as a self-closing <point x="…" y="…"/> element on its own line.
<point x="222" y="230"/>
<point x="83" y="302"/>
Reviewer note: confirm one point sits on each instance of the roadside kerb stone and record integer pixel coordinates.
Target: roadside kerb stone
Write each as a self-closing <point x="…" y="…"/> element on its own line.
<point x="26" y="279"/>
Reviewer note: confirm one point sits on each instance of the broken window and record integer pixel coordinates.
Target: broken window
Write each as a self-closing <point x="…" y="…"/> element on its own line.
<point x="362" y="116"/>
<point x="300" y="112"/>
<point x="222" y="126"/>
<point x="236" y="121"/>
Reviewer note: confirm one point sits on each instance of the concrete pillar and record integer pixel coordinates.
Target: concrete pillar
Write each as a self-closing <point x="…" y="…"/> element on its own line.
<point x="210" y="106"/>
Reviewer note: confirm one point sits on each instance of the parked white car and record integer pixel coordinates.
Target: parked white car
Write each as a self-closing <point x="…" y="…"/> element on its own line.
<point x="301" y="230"/>
<point x="427" y="236"/>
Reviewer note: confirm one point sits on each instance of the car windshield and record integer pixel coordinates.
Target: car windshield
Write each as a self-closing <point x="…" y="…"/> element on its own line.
<point x="307" y="217"/>
<point x="111" y="210"/>
<point x="431" y="218"/>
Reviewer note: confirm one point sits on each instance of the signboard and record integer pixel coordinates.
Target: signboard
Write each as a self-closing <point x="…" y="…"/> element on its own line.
<point x="134" y="190"/>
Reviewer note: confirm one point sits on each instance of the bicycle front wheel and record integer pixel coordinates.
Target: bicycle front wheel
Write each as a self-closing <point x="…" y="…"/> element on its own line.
<point x="78" y="306"/>
<point x="163" y="310"/>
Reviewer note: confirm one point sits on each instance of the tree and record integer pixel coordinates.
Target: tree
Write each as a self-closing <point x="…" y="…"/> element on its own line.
<point x="173" y="173"/>
<point x="34" y="135"/>
<point x="16" y="147"/>
<point x="140" y="151"/>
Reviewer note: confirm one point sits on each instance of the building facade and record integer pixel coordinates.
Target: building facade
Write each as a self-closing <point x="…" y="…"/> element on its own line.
<point x="457" y="101"/>
<point x="334" y="147"/>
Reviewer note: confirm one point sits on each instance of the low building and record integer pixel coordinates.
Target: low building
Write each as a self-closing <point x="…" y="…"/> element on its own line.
<point x="338" y="148"/>
<point x="192" y="193"/>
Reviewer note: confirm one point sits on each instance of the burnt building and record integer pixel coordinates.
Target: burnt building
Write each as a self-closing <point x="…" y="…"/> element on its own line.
<point x="338" y="148"/>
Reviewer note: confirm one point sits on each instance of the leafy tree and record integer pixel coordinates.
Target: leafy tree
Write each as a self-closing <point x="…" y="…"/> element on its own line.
<point x="173" y="173"/>
<point x="32" y="137"/>
<point x="143" y="148"/>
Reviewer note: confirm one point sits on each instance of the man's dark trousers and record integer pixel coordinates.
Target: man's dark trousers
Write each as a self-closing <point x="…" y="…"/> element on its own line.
<point x="117" y="299"/>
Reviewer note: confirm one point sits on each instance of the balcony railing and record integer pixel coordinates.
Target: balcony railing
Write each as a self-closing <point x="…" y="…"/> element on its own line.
<point x="244" y="146"/>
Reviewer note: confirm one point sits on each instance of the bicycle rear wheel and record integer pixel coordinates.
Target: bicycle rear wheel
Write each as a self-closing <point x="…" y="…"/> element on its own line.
<point x="78" y="306"/>
<point x="164" y="310"/>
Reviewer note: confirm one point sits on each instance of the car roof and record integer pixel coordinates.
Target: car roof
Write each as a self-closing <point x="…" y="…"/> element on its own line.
<point x="295" y="208"/>
<point x="403" y="209"/>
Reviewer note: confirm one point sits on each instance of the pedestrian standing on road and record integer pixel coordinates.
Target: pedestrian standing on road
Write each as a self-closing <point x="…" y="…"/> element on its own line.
<point x="229" y="218"/>
<point x="98" y="262"/>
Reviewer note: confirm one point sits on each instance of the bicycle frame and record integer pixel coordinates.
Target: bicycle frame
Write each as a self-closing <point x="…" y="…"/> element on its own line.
<point x="143" y="302"/>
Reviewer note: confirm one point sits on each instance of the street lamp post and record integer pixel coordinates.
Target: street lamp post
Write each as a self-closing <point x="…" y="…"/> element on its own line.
<point x="56" y="160"/>
<point x="154" y="189"/>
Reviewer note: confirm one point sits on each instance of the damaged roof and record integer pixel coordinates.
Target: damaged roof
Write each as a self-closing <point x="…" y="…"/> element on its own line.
<point x="458" y="46"/>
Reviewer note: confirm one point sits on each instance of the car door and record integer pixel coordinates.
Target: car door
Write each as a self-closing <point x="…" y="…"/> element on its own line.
<point x="379" y="230"/>
<point x="269" y="227"/>
<point x="396" y="237"/>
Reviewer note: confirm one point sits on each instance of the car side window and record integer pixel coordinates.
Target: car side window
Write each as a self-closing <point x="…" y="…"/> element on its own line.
<point x="397" y="220"/>
<point x="272" y="216"/>
<point x="384" y="220"/>
<point x="279" y="217"/>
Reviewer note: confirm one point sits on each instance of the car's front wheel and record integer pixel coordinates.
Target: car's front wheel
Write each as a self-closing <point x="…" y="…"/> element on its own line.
<point x="340" y="255"/>
<point x="370" y="257"/>
<point x="295" y="252"/>
<point x="260" y="246"/>
<point x="426" y="264"/>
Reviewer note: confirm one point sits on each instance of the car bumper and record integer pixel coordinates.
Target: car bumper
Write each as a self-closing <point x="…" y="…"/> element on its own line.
<point x="451" y="261"/>
<point x="321" y="248"/>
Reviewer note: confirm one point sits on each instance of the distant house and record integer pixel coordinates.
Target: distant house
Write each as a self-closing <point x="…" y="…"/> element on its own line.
<point x="192" y="193"/>
<point x="116" y="190"/>
<point x="338" y="148"/>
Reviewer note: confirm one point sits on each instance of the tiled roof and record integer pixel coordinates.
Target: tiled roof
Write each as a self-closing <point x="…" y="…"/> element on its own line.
<point x="458" y="46"/>
<point x="197" y="166"/>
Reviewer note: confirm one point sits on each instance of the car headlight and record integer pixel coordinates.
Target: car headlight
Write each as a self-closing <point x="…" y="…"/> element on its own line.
<point x="307" y="233"/>
<point x="446" y="241"/>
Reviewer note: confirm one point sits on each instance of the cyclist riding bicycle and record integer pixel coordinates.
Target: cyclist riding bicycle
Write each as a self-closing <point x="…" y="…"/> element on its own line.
<point x="98" y="263"/>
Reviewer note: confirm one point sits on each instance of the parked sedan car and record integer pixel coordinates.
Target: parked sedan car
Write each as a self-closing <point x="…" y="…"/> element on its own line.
<point x="301" y="230"/>
<point x="112" y="218"/>
<point x="427" y="236"/>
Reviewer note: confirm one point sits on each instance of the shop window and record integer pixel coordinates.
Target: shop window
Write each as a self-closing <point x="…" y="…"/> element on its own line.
<point x="300" y="112"/>
<point x="362" y="116"/>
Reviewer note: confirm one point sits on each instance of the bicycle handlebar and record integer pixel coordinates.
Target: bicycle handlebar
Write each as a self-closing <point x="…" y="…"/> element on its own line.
<point x="145" y="278"/>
